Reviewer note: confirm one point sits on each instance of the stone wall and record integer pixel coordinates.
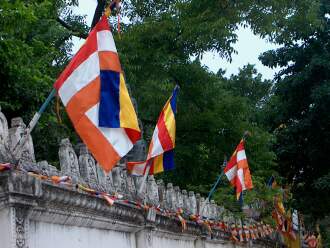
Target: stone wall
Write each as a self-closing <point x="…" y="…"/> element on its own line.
<point x="36" y="212"/>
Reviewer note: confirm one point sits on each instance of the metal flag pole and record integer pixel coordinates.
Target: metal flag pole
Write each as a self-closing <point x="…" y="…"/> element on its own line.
<point x="33" y="123"/>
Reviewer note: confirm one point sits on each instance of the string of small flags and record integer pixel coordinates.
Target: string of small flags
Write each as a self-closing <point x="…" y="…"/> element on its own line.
<point x="237" y="234"/>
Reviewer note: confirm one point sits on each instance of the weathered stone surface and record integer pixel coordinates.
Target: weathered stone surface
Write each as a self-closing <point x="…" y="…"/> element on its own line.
<point x="170" y="197"/>
<point x="15" y="134"/>
<point x="152" y="191"/>
<point x="5" y="155"/>
<point x="161" y="193"/>
<point x="68" y="160"/>
<point x="178" y="198"/>
<point x="47" y="169"/>
<point x="192" y="203"/>
<point x="87" y="167"/>
<point x="119" y="179"/>
<point x="33" y="212"/>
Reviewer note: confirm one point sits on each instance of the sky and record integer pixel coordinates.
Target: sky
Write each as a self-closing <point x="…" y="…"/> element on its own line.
<point x="248" y="47"/>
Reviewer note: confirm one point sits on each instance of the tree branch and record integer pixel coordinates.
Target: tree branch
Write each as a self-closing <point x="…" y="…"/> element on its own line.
<point x="70" y="28"/>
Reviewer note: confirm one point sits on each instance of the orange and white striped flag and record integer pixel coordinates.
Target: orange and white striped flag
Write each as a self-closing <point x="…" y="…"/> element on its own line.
<point x="237" y="170"/>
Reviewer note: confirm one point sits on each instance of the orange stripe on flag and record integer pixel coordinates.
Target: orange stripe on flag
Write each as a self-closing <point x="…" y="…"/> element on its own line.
<point x="101" y="149"/>
<point x="109" y="61"/>
<point x="84" y="100"/>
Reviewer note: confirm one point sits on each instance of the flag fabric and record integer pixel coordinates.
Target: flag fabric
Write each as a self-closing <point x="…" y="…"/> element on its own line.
<point x="93" y="90"/>
<point x="238" y="172"/>
<point x="161" y="149"/>
<point x="272" y="182"/>
<point x="136" y="168"/>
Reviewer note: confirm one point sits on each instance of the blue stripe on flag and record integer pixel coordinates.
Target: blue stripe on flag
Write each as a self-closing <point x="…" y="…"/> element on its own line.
<point x="109" y="99"/>
<point x="168" y="160"/>
<point x="173" y="99"/>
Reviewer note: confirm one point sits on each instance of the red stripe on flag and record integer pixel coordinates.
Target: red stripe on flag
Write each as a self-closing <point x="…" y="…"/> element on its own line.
<point x="163" y="135"/>
<point x="84" y="52"/>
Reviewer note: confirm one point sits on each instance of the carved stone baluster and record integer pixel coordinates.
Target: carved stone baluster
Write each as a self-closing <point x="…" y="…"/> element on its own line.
<point x="47" y="169"/>
<point x="213" y="210"/>
<point x="178" y="196"/>
<point x="109" y="183"/>
<point x="4" y="140"/>
<point x="192" y="203"/>
<point x="87" y="167"/>
<point x="118" y="179"/>
<point x="152" y="191"/>
<point x="161" y="193"/>
<point x="101" y="178"/>
<point x="198" y="201"/>
<point x="185" y="201"/>
<point x="15" y="133"/>
<point x="170" y="197"/>
<point x="130" y="183"/>
<point x="203" y="207"/>
<point x="68" y="160"/>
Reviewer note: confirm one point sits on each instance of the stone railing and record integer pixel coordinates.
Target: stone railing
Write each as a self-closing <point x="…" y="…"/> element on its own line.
<point x="35" y="212"/>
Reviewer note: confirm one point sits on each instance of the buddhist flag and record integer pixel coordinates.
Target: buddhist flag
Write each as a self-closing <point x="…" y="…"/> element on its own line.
<point x="237" y="170"/>
<point x="93" y="90"/>
<point x="161" y="149"/>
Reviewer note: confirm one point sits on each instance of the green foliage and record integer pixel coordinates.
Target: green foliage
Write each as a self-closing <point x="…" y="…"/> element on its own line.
<point x="161" y="46"/>
<point x="34" y="48"/>
<point x="298" y="114"/>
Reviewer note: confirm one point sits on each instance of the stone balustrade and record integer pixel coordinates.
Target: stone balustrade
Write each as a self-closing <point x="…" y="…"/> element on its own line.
<point x="28" y="205"/>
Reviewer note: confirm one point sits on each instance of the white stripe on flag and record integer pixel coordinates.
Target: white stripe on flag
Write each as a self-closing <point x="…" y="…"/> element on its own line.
<point x="231" y="173"/>
<point x="241" y="155"/>
<point x="105" y="41"/>
<point x="116" y="136"/>
<point x="80" y="78"/>
<point x="240" y="174"/>
<point x="157" y="148"/>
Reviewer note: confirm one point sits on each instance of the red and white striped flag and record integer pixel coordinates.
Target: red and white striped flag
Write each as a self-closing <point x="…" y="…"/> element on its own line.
<point x="237" y="170"/>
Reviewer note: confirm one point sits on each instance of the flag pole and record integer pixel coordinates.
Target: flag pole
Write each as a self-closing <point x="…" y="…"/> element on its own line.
<point x="215" y="185"/>
<point x="33" y="122"/>
<point x="144" y="179"/>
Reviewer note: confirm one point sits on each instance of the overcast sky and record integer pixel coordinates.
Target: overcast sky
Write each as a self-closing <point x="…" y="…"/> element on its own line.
<point x="248" y="47"/>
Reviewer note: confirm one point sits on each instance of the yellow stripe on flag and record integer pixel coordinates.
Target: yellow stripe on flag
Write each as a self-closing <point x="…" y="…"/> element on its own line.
<point x="169" y="119"/>
<point x="127" y="114"/>
<point x="158" y="164"/>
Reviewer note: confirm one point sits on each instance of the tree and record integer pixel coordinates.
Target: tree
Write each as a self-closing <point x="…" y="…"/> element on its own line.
<point x="34" y="47"/>
<point x="298" y="114"/>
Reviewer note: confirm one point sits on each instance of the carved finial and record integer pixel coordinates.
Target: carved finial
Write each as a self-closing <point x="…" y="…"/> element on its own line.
<point x="68" y="160"/>
<point x="17" y="122"/>
<point x="87" y="167"/>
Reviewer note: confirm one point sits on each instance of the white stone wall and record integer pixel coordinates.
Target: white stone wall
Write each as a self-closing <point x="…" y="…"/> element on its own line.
<point x="49" y="235"/>
<point x="166" y="242"/>
<point x="5" y="228"/>
<point x="218" y="245"/>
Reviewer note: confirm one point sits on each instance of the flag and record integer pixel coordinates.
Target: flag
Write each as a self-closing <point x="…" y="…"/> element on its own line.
<point x="238" y="172"/>
<point x="271" y="182"/>
<point x="93" y="90"/>
<point x="136" y="168"/>
<point x="161" y="149"/>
